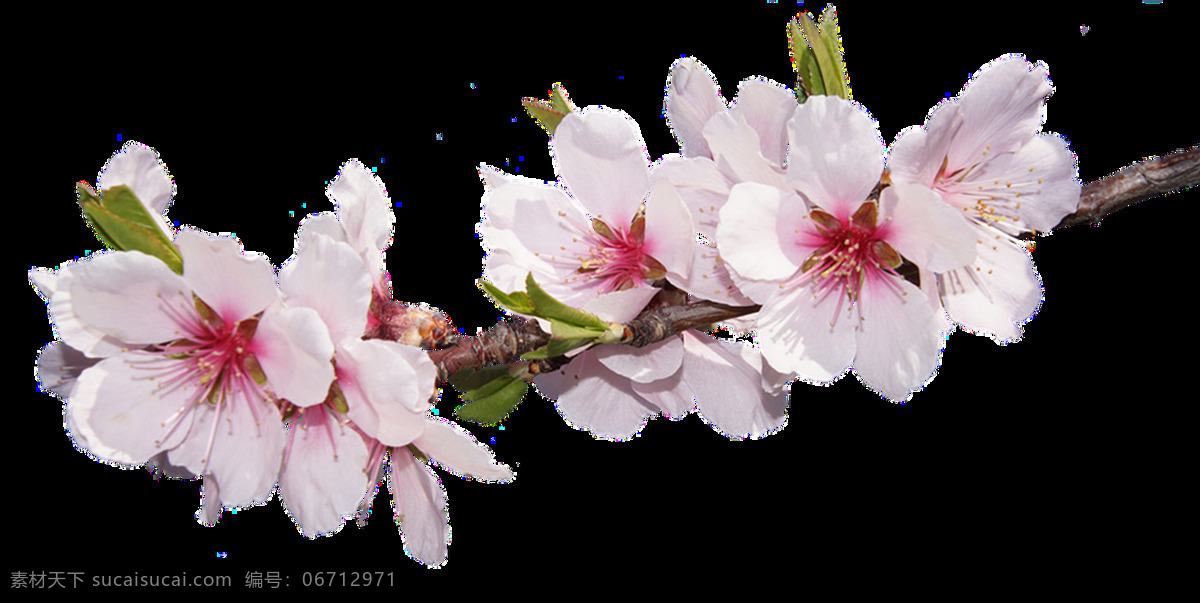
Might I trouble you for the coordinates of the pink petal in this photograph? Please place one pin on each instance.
(1002, 106)
(835, 155)
(692, 98)
(598, 400)
(293, 347)
(650, 363)
(807, 335)
(387, 398)
(421, 509)
(1047, 166)
(329, 277)
(235, 284)
(924, 229)
(364, 210)
(210, 510)
(669, 232)
(123, 417)
(58, 366)
(128, 296)
(246, 449)
(701, 187)
(323, 480)
(737, 151)
(672, 394)
(619, 306)
(710, 278)
(900, 340)
(725, 377)
(600, 155)
(767, 106)
(997, 294)
(455, 450)
(747, 234)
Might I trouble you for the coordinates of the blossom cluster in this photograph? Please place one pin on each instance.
(252, 379)
(859, 257)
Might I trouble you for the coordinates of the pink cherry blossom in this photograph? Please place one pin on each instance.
(606, 237)
(217, 350)
(825, 275)
(982, 154)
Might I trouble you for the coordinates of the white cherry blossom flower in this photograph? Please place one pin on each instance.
(982, 154)
(832, 299)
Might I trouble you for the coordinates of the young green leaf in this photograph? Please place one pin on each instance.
(517, 301)
(121, 222)
(550, 308)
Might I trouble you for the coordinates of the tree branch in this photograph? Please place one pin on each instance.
(511, 337)
(1138, 182)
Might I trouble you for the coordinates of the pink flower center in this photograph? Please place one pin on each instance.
(849, 253)
(211, 360)
(616, 257)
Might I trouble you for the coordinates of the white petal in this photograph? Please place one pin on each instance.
(747, 235)
(329, 277)
(737, 151)
(323, 480)
(384, 388)
(1055, 175)
(923, 228)
(454, 449)
(129, 296)
(364, 210)
(421, 509)
(58, 366)
(236, 284)
(598, 400)
(997, 294)
(650, 363)
(1002, 106)
(807, 335)
(767, 106)
(210, 510)
(725, 378)
(669, 232)
(246, 449)
(710, 278)
(692, 98)
(701, 187)
(323, 224)
(138, 167)
(835, 153)
(900, 340)
(600, 156)
(295, 352)
(619, 306)
(122, 415)
(673, 395)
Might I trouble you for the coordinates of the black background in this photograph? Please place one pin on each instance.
(1058, 455)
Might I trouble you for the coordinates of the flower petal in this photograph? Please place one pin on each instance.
(924, 229)
(745, 234)
(421, 509)
(236, 284)
(737, 151)
(364, 210)
(600, 155)
(766, 106)
(295, 352)
(803, 334)
(835, 153)
(650, 363)
(246, 449)
(598, 400)
(58, 366)
(725, 377)
(128, 296)
(669, 232)
(693, 96)
(900, 340)
(388, 400)
(455, 450)
(330, 277)
(323, 480)
(997, 294)
(138, 167)
(710, 279)
(1002, 106)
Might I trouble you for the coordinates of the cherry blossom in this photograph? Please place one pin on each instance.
(823, 263)
(981, 153)
(601, 237)
(217, 349)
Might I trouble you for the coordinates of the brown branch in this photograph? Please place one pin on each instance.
(1138, 182)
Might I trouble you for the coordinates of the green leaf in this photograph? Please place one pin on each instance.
(833, 43)
(559, 100)
(517, 301)
(562, 330)
(549, 113)
(557, 347)
(550, 308)
(491, 395)
(812, 36)
(121, 222)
